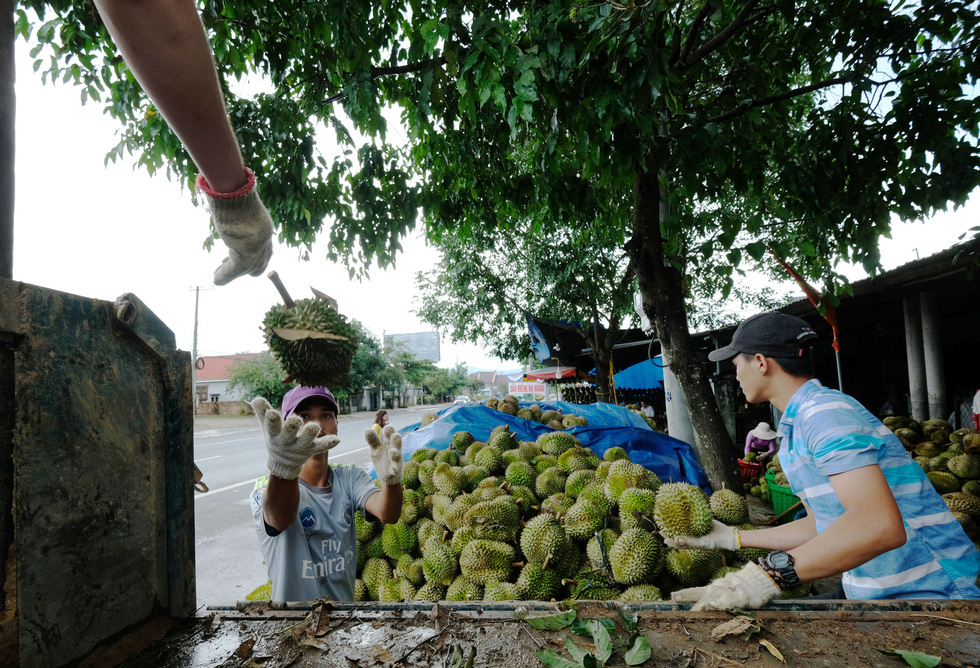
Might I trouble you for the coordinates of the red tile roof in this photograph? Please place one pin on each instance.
(220, 367)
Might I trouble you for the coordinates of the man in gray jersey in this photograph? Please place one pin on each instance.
(304, 509)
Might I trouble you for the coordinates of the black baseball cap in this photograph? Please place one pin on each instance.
(772, 334)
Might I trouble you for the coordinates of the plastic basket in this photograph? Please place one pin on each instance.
(781, 496)
(749, 470)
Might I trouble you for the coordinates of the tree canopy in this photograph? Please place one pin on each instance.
(698, 134)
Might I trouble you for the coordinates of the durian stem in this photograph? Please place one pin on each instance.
(518, 564)
(276, 281)
(547, 560)
(566, 581)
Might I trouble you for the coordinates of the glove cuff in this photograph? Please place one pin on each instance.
(203, 186)
(281, 469)
(759, 581)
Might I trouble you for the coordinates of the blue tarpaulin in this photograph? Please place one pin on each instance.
(609, 426)
(646, 375)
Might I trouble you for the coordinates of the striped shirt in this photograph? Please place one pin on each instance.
(825, 432)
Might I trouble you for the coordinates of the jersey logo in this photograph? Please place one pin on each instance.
(348, 514)
(307, 518)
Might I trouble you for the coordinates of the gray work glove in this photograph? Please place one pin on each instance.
(721, 537)
(245, 226)
(290, 443)
(386, 454)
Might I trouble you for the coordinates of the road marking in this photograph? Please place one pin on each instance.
(350, 452)
(207, 458)
(235, 440)
(250, 481)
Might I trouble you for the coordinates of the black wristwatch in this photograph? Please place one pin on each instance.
(779, 566)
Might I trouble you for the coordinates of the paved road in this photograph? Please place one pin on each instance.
(231, 454)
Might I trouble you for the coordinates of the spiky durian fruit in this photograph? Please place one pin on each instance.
(636, 557)
(544, 462)
(448, 479)
(448, 456)
(491, 459)
(557, 504)
(583, 519)
(464, 589)
(543, 539)
(644, 592)
(360, 590)
(729, 507)
(398, 539)
(427, 469)
(498, 519)
(597, 549)
(364, 529)
(945, 483)
(574, 459)
(311, 341)
(971, 487)
(525, 414)
(966, 465)
(431, 591)
(555, 443)
(550, 482)
(960, 502)
(521, 473)
(526, 500)
(423, 454)
(438, 562)
(624, 474)
(509, 407)
(376, 572)
(614, 453)
(461, 538)
(636, 509)
(462, 440)
(486, 561)
(579, 480)
(592, 586)
(502, 591)
(693, 568)
(454, 516)
(538, 583)
(410, 567)
(429, 418)
(681, 509)
(473, 475)
(426, 528)
(410, 475)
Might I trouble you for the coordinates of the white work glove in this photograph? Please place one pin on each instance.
(386, 454)
(748, 588)
(245, 226)
(721, 537)
(290, 443)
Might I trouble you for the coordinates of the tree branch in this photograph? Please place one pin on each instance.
(699, 20)
(737, 24)
(378, 72)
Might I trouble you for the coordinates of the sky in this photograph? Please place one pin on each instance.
(101, 231)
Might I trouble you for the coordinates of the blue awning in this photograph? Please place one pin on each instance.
(646, 375)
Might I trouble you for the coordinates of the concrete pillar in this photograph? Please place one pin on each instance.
(678, 417)
(916, 361)
(932, 351)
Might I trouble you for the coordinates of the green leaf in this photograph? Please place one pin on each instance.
(914, 659)
(628, 617)
(600, 635)
(581, 626)
(577, 652)
(639, 652)
(551, 659)
(552, 622)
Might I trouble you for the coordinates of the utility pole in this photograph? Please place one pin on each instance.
(197, 301)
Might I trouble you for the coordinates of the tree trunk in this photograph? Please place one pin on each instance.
(660, 286)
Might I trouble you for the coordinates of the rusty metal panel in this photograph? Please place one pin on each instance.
(102, 449)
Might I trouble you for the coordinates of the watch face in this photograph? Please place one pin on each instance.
(779, 559)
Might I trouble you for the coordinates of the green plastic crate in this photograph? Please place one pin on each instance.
(781, 496)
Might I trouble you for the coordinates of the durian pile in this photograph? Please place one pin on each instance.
(951, 460)
(313, 343)
(649, 420)
(509, 405)
(544, 520)
(758, 486)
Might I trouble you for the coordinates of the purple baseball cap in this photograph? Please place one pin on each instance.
(296, 395)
